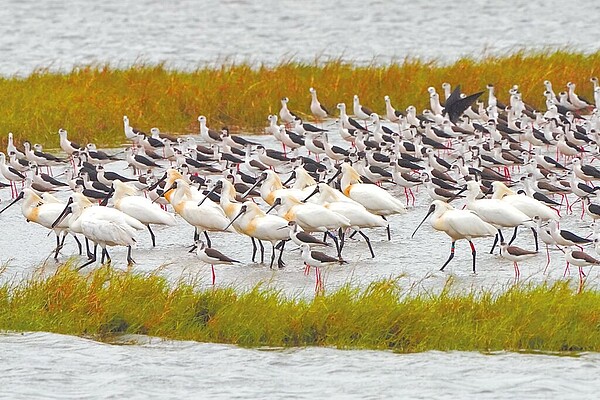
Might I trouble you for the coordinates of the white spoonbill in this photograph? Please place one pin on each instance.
(356, 213)
(458, 224)
(141, 208)
(271, 187)
(528, 205)
(44, 213)
(255, 223)
(374, 198)
(102, 225)
(231, 207)
(203, 218)
(494, 211)
(311, 217)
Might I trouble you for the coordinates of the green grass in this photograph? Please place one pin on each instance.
(90, 101)
(107, 302)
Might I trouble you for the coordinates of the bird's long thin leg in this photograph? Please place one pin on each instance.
(498, 236)
(280, 262)
(272, 256)
(566, 270)
(335, 240)
(130, 260)
(87, 249)
(79, 246)
(474, 253)
(387, 228)
(368, 243)
(208, 242)
(514, 236)
(341, 236)
(212, 270)
(535, 238)
(196, 235)
(152, 236)
(254, 249)
(262, 252)
(450, 257)
(57, 248)
(91, 256)
(494, 245)
(547, 258)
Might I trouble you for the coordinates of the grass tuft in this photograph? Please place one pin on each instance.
(90, 101)
(106, 303)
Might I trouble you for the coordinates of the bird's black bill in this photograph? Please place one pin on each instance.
(242, 211)
(312, 194)
(431, 210)
(211, 191)
(108, 196)
(19, 197)
(67, 210)
(461, 191)
(339, 171)
(276, 203)
(258, 182)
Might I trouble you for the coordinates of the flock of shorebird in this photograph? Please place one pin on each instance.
(512, 165)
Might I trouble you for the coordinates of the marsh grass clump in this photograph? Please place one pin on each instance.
(108, 302)
(90, 101)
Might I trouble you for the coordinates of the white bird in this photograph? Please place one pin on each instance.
(11, 148)
(299, 237)
(271, 187)
(566, 238)
(311, 217)
(68, 146)
(515, 254)
(209, 135)
(580, 259)
(390, 112)
(528, 205)
(257, 224)
(316, 107)
(458, 224)
(204, 218)
(11, 174)
(496, 212)
(356, 213)
(102, 225)
(284, 113)
(44, 212)
(374, 198)
(360, 111)
(141, 208)
(318, 260)
(212, 257)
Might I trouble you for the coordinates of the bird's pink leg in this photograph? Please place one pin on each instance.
(547, 258)
(212, 268)
(567, 270)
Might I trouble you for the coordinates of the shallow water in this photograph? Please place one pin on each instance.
(43, 365)
(414, 261)
(189, 33)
